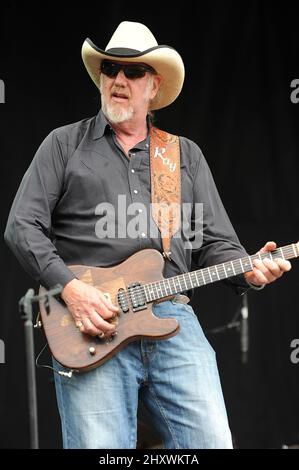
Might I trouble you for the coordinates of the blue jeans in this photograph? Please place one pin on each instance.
(180, 386)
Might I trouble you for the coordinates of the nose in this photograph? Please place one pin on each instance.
(120, 77)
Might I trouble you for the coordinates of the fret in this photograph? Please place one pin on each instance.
(169, 285)
(247, 263)
(153, 291)
(228, 269)
(212, 272)
(202, 276)
(282, 254)
(221, 269)
(289, 251)
(251, 263)
(179, 283)
(185, 281)
(197, 281)
(217, 272)
(242, 269)
(224, 269)
(166, 286)
(206, 270)
(191, 283)
(194, 280)
(173, 284)
(151, 294)
(294, 250)
(233, 268)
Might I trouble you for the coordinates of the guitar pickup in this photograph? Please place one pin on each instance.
(122, 300)
(137, 296)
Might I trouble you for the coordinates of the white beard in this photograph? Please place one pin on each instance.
(116, 113)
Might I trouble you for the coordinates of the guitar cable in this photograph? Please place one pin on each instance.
(45, 366)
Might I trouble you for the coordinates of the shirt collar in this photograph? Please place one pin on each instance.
(101, 125)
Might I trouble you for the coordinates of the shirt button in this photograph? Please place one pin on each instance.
(142, 234)
(146, 146)
(135, 191)
(139, 210)
(132, 170)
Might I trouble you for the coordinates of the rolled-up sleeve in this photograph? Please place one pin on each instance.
(28, 230)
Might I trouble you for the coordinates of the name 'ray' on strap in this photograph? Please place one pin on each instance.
(165, 185)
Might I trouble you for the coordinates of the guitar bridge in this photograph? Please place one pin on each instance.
(137, 296)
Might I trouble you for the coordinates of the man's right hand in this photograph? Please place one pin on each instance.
(89, 308)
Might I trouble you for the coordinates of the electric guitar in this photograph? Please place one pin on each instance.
(133, 285)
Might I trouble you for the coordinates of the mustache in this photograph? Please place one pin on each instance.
(119, 92)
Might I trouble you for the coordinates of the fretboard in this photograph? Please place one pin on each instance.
(201, 277)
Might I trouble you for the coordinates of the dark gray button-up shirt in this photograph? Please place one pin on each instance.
(58, 217)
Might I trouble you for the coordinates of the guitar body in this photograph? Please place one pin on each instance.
(81, 352)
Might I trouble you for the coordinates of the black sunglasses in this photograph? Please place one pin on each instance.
(131, 71)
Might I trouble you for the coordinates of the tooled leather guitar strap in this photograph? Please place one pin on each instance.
(165, 185)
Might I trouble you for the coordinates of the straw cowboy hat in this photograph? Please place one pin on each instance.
(134, 42)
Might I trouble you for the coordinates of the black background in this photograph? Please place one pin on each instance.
(240, 59)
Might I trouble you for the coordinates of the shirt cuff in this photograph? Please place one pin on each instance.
(253, 286)
(56, 273)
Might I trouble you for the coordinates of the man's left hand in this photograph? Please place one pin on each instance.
(267, 271)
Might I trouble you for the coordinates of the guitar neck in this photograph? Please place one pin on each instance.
(183, 282)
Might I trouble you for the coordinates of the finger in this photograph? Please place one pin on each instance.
(101, 324)
(269, 246)
(273, 267)
(100, 307)
(284, 264)
(93, 330)
(89, 328)
(262, 272)
(103, 311)
(108, 304)
(259, 277)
